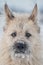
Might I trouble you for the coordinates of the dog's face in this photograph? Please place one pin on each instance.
(21, 35)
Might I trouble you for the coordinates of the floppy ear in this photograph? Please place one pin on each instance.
(34, 13)
(9, 15)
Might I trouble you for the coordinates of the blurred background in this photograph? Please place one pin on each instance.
(22, 6)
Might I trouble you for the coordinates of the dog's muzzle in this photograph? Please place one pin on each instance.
(20, 47)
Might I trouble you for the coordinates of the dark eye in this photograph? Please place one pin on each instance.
(27, 34)
(14, 34)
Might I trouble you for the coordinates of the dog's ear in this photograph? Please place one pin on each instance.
(33, 17)
(34, 13)
(9, 15)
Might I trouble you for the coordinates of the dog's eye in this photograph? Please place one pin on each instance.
(27, 34)
(14, 34)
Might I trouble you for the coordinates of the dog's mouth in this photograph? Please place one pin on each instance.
(21, 54)
(17, 54)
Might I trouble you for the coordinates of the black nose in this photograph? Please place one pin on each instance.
(20, 47)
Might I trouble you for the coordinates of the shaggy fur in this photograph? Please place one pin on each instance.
(20, 23)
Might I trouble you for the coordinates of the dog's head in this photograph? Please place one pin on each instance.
(21, 34)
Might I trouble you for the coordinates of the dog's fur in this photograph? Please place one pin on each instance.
(21, 23)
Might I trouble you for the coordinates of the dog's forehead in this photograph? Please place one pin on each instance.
(22, 21)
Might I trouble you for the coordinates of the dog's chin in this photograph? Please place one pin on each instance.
(21, 59)
(20, 55)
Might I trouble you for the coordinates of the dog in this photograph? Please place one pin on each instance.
(21, 43)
